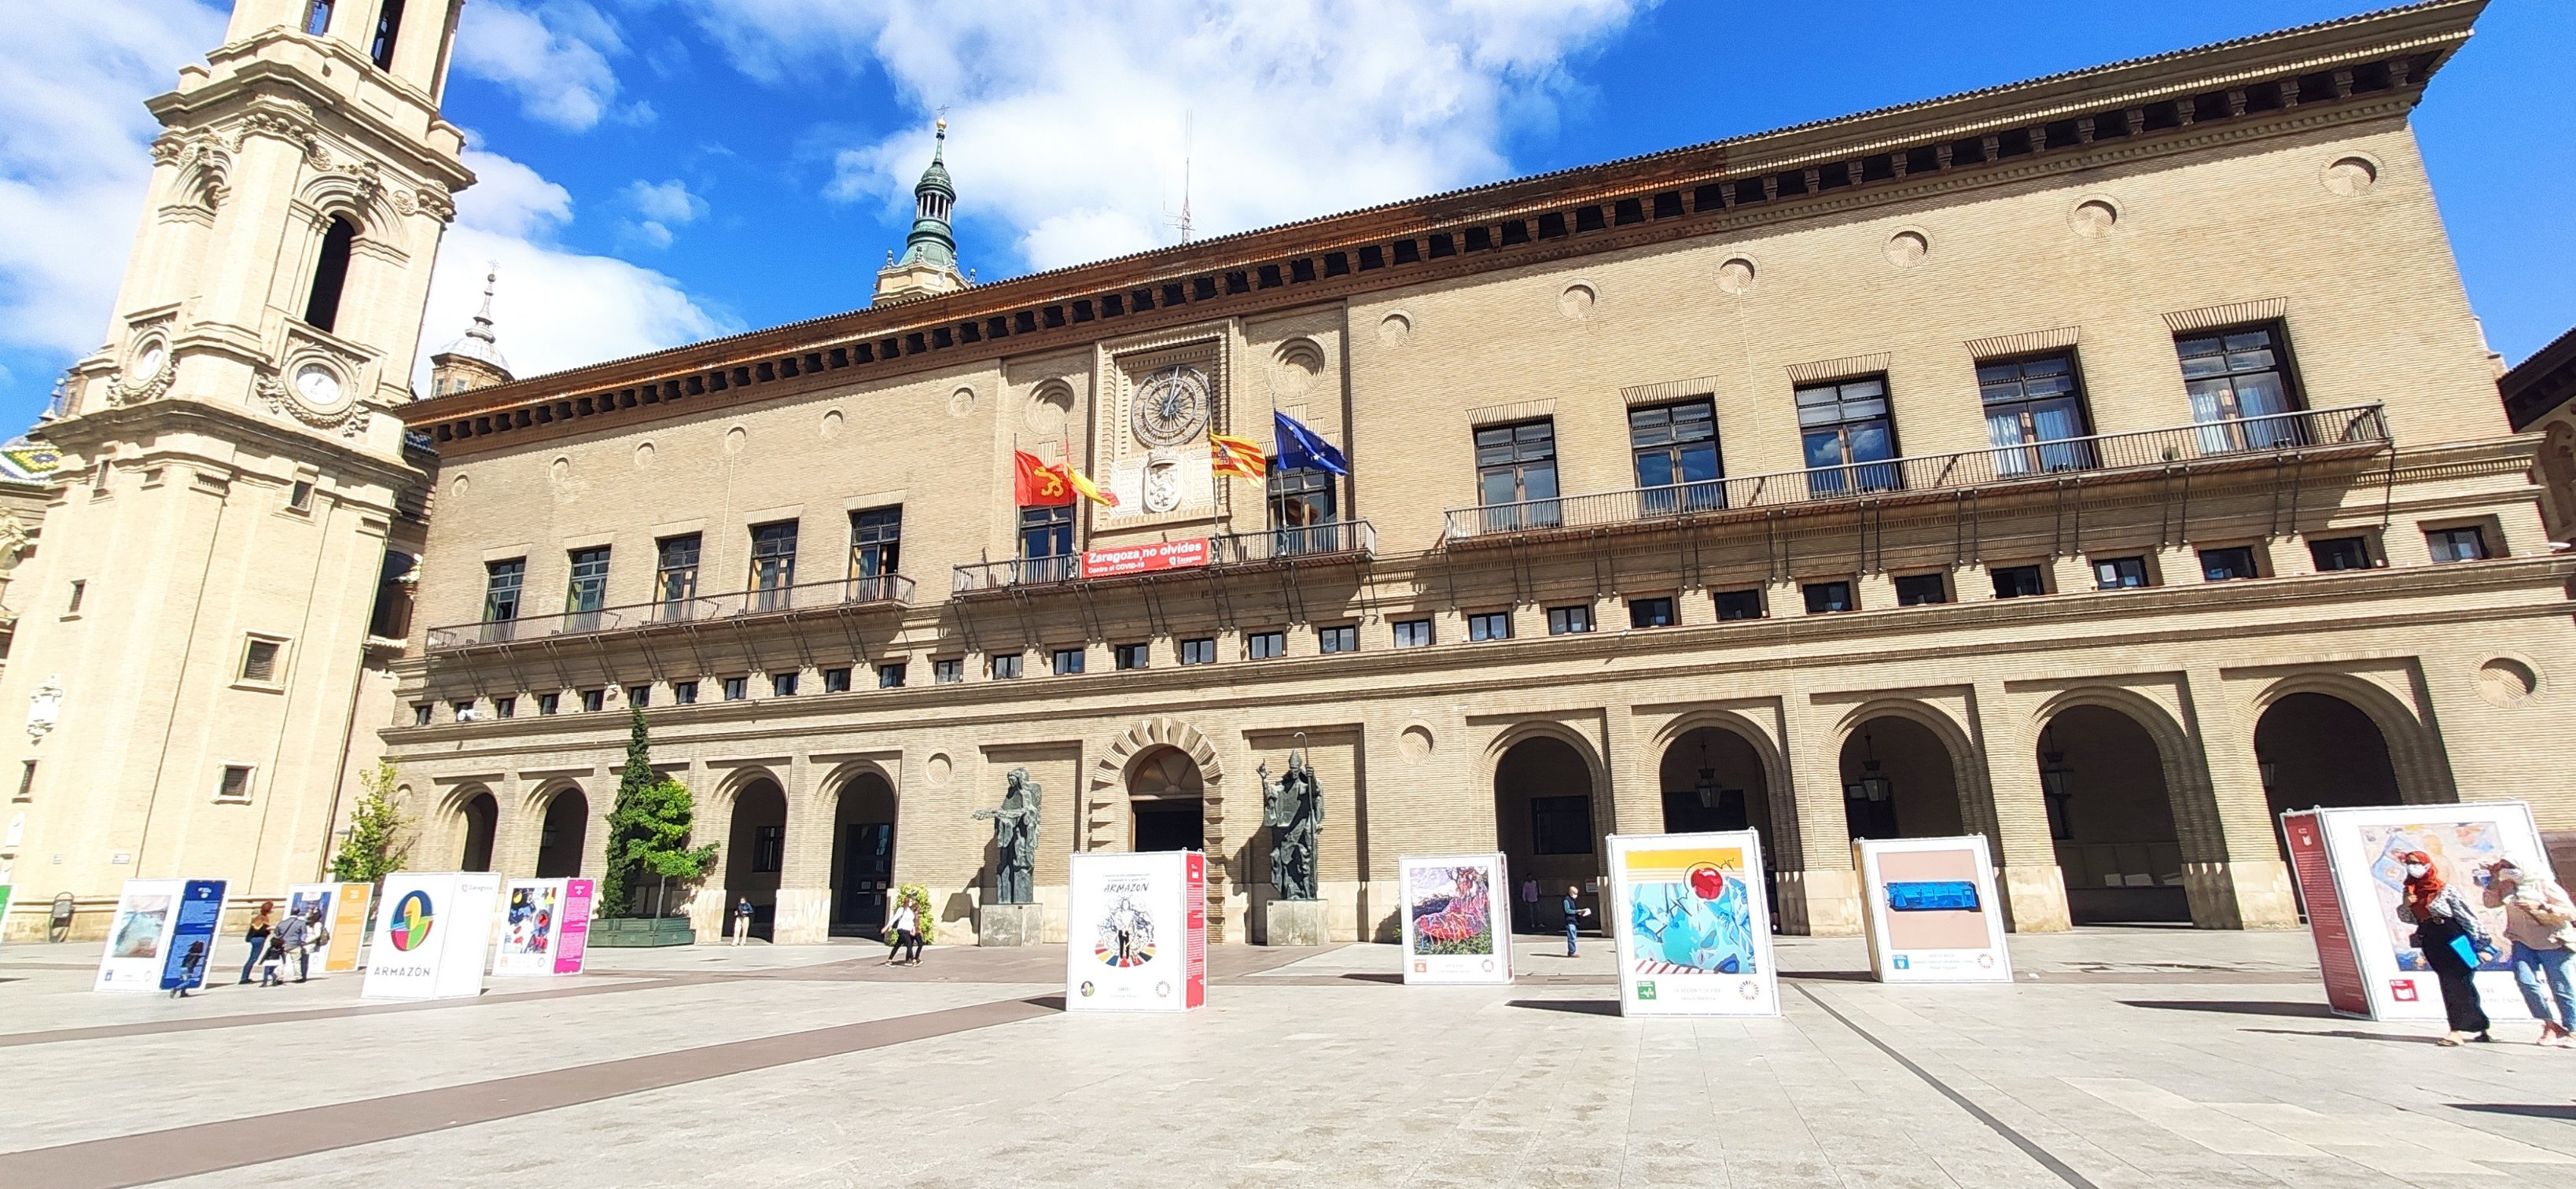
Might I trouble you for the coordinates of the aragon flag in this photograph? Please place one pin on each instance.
(1036, 485)
(1236, 456)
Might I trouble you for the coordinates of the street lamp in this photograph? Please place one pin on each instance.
(2052, 785)
(1871, 786)
(1712, 795)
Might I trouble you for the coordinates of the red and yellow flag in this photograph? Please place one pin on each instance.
(1236, 456)
(1036, 485)
(1090, 490)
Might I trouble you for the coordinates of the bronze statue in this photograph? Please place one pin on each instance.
(1293, 808)
(1015, 840)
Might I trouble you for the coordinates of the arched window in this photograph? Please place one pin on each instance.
(317, 17)
(388, 29)
(330, 273)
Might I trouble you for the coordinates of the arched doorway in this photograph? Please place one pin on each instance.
(1899, 781)
(756, 853)
(1544, 825)
(2111, 817)
(2319, 750)
(862, 855)
(482, 816)
(1168, 800)
(567, 828)
(1713, 779)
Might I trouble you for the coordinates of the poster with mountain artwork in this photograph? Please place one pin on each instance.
(1693, 925)
(1455, 930)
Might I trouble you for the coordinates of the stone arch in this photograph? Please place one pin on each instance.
(750, 859)
(1116, 762)
(1519, 821)
(863, 812)
(2125, 851)
(472, 816)
(1967, 758)
(2423, 773)
(359, 199)
(1777, 822)
(561, 809)
(2186, 770)
(1775, 764)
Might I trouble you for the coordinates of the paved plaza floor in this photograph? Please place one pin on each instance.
(2124, 1056)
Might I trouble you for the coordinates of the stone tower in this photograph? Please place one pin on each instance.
(200, 655)
(474, 361)
(928, 267)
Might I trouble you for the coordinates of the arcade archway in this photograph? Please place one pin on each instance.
(862, 855)
(1167, 800)
(1899, 781)
(755, 853)
(566, 829)
(1545, 826)
(482, 820)
(2318, 750)
(2111, 817)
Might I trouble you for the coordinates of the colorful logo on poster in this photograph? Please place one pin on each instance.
(1125, 936)
(1707, 882)
(412, 919)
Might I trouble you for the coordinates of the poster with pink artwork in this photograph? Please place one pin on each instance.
(1455, 931)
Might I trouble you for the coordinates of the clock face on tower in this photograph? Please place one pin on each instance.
(319, 388)
(1171, 406)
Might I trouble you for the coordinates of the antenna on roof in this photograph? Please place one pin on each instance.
(1181, 222)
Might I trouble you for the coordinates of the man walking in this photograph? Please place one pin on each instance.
(742, 921)
(1574, 914)
(292, 938)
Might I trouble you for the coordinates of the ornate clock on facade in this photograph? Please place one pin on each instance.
(1171, 406)
(319, 389)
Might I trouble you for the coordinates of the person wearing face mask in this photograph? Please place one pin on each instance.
(2541, 922)
(2443, 920)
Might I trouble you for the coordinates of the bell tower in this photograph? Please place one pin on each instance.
(201, 650)
(929, 264)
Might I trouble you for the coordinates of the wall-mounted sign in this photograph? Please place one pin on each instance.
(1148, 558)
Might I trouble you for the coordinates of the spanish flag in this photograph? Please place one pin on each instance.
(1090, 490)
(1236, 456)
(1037, 485)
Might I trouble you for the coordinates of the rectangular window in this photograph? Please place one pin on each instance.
(684, 693)
(1568, 620)
(1130, 656)
(1916, 590)
(505, 707)
(1302, 511)
(501, 581)
(2227, 565)
(388, 33)
(1561, 825)
(949, 671)
(773, 565)
(737, 688)
(80, 590)
(1344, 638)
(2340, 553)
(2457, 544)
(549, 703)
(890, 675)
(420, 712)
(1516, 474)
(259, 660)
(235, 785)
(1198, 652)
(1046, 544)
(1651, 613)
(594, 700)
(27, 779)
(836, 681)
(876, 548)
(639, 696)
(1413, 633)
(782, 685)
(1007, 666)
(1675, 451)
(769, 848)
(2241, 391)
(1262, 646)
(1490, 625)
(2014, 582)
(1738, 604)
(2030, 403)
(588, 591)
(1824, 598)
(1067, 662)
(299, 495)
(1843, 426)
(2119, 573)
(463, 711)
(675, 577)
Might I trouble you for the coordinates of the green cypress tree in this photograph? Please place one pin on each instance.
(656, 828)
(618, 887)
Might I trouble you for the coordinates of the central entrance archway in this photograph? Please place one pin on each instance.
(1168, 800)
(567, 827)
(862, 856)
(1543, 823)
(2111, 818)
(755, 853)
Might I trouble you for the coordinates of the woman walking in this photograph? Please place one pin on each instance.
(903, 931)
(2453, 941)
(260, 924)
(2540, 920)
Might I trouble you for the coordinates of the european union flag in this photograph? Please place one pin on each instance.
(1301, 448)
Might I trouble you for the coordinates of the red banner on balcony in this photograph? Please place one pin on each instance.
(1145, 559)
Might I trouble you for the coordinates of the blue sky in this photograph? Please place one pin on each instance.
(661, 170)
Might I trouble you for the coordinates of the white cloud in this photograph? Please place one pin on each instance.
(73, 155)
(553, 55)
(661, 205)
(1066, 116)
(555, 308)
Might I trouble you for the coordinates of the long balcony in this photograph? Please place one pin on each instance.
(1343, 541)
(881, 590)
(2349, 431)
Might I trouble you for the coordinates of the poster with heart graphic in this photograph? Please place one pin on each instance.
(1693, 924)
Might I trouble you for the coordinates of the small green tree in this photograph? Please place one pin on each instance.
(919, 898)
(618, 887)
(377, 841)
(655, 825)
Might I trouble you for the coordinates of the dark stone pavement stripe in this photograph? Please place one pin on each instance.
(246, 1019)
(235, 1143)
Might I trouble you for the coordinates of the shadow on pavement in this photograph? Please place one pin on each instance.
(1839, 976)
(1048, 1001)
(2533, 1109)
(2241, 1007)
(1590, 1007)
(2347, 1034)
(1374, 977)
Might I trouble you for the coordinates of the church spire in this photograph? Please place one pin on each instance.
(928, 266)
(474, 361)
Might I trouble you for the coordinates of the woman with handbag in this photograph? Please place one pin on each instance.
(2541, 922)
(2453, 941)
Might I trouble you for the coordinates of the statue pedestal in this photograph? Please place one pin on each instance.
(1293, 922)
(1011, 924)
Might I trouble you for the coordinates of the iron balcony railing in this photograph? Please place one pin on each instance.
(2247, 438)
(1346, 538)
(812, 596)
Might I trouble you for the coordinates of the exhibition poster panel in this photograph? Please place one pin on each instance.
(1932, 910)
(138, 937)
(2364, 847)
(1194, 902)
(572, 930)
(1451, 919)
(468, 943)
(2328, 925)
(319, 905)
(535, 907)
(4, 911)
(192, 935)
(1694, 930)
(1134, 944)
(429, 940)
(348, 926)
